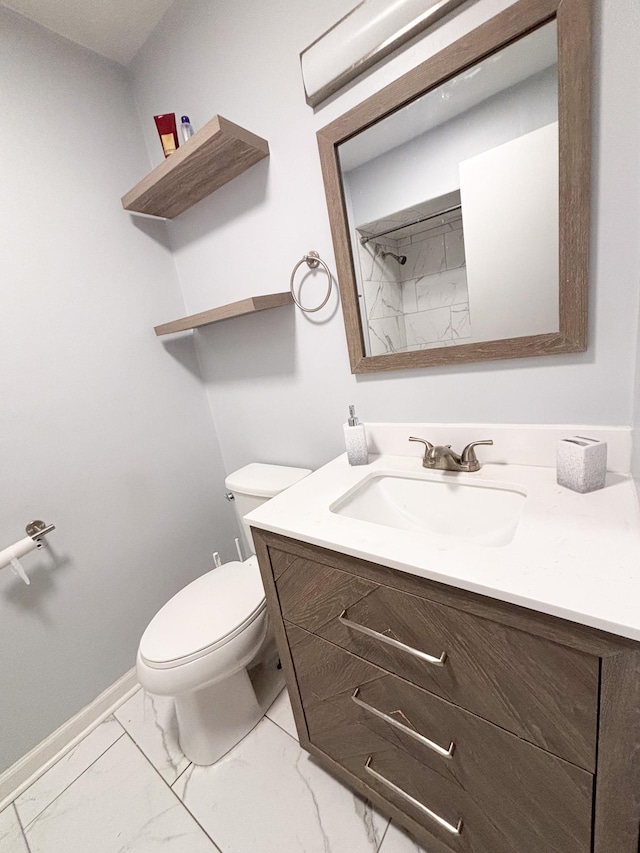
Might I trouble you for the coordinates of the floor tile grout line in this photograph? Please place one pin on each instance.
(365, 800)
(384, 835)
(149, 762)
(282, 729)
(170, 788)
(262, 719)
(20, 826)
(73, 781)
(158, 725)
(286, 731)
(180, 774)
(231, 748)
(191, 764)
(131, 738)
(386, 829)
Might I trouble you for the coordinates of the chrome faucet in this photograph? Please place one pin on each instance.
(443, 458)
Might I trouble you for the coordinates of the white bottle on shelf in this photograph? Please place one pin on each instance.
(186, 131)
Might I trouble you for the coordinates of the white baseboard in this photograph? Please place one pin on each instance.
(26, 770)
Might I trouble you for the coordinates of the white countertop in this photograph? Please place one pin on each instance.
(573, 555)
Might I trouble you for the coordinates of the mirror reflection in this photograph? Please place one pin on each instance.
(452, 206)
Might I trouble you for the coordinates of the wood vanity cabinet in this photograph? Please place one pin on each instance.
(479, 726)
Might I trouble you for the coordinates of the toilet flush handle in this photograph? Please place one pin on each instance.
(230, 496)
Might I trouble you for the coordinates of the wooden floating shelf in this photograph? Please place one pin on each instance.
(217, 153)
(225, 312)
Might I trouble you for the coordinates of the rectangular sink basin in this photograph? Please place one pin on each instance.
(446, 507)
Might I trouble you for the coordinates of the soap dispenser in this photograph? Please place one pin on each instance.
(355, 440)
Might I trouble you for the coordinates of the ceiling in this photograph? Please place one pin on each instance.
(116, 29)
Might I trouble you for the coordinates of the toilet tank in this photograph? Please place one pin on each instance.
(255, 484)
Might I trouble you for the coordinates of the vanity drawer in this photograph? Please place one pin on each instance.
(503, 809)
(454, 742)
(540, 690)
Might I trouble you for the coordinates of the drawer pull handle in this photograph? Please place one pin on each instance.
(391, 642)
(444, 753)
(454, 830)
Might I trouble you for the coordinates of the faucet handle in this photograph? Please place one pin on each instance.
(468, 456)
(428, 448)
(427, 444)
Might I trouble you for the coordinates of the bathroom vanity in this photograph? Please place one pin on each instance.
(486, 695)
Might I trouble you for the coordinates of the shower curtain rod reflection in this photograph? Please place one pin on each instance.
(365, 240)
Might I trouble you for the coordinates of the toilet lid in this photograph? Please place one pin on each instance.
(206, 613)
(264, 481)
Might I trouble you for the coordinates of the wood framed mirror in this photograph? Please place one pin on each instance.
(459, 198)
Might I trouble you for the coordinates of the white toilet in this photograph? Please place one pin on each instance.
(210, 646)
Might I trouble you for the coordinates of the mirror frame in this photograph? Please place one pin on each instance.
(573, 18)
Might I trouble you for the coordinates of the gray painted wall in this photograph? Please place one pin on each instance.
(101, 431)
(380, 187)
(105, 429)
(279, 383)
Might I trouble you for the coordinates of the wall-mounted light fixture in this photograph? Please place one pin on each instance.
(368, 33)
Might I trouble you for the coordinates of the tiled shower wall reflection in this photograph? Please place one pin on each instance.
(422, 303)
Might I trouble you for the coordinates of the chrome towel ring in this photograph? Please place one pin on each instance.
(313, 261)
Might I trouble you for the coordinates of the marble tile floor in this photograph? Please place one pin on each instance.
(127, 787)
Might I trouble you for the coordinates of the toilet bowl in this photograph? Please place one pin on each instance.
(210, 646)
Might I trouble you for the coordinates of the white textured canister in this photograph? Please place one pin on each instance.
(581, 463)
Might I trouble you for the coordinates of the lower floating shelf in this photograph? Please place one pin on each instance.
(225, 312)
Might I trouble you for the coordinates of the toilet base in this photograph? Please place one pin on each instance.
(214, 719)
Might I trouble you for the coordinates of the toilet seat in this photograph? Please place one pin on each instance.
(188, 627)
